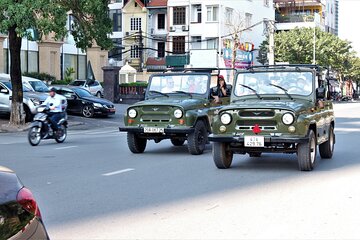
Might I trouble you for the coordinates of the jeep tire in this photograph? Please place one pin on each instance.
(326, 149)
(197, 139)
(222, 155)
(177, 141)
(307, 153)
(136, 144)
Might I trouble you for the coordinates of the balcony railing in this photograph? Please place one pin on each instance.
(290, 18)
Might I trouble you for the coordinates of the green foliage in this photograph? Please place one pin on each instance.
(69, 75)
(42, 76)
(134, 84)
(60, 82)
(296, 46)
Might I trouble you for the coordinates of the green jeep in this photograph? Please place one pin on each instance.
(275, 109)
(177, 106)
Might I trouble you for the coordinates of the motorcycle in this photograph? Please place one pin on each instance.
(40, 127)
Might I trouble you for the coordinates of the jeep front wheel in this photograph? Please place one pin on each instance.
(307, 153)
(136, 144)
(197, 139)
(177, 141)
(326, 149)
(222, 155)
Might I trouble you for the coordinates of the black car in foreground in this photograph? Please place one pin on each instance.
(81, 101)
(20, 216)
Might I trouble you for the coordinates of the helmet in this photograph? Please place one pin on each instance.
(52, 89)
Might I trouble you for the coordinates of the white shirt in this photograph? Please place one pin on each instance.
(54, 102)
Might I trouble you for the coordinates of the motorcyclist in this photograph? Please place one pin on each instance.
(55, 103)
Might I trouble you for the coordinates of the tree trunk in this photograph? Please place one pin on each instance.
(17, 116)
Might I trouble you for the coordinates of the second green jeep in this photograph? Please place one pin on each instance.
(276, 109)
(177, 106)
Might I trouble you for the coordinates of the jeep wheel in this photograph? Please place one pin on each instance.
(307, 153)
(136, 144)
(255, 154)
(197, 139)
(177, 141)
(326, 149)
(222, 155)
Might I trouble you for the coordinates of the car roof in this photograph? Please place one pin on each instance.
(5, 76)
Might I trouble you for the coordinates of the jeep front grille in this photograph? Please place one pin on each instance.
(255, 113)
(156, 109)
(249, 124)
(155, 118)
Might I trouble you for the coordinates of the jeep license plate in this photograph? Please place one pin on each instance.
(254, 141)
(153, 130)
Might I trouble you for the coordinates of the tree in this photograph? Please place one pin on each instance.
(91, 23)
(296, 46)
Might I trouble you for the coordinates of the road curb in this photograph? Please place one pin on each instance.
(9, 128)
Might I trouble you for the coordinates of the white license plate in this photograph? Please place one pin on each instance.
(254, 141)
(153, 130)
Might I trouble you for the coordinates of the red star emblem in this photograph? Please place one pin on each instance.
(256, 129)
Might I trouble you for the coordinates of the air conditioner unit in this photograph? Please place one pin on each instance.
(127, 33)
(172, 29)
(185, 28)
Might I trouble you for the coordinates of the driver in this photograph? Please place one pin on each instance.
(55, 103)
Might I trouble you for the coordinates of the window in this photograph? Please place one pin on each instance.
(161, 50)
(33, 61)
(115, 16)
(212, 43)
(134, 52)
(116, 52)
(248, 17)
(179, 45)
(228, 15)
(161, 21)
(135, 24)
(196, 42)
(266, 3)
(212, 13)
(179, 16)
(196, 13)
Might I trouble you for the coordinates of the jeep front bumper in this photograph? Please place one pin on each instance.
(167, 131)
(268, 140)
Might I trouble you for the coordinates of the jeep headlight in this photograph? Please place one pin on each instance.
(35, 101)
(225, 118)
(132, 113)
(288, 118)
(178, 113)
(98, 105)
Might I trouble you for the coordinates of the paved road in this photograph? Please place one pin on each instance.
(92, 187)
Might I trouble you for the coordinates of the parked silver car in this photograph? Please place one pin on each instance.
(93, 86)
(30, 99)
(33, 84)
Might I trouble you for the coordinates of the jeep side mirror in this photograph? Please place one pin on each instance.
(320, 92)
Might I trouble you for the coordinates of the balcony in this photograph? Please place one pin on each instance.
(293, 18)
(297, 3)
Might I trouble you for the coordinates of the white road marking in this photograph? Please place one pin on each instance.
(118, 172)
(60, 148)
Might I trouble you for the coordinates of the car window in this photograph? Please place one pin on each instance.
(39, 86)
(77, 83)
(25, 89)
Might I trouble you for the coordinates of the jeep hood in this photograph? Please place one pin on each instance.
(185, 103)
(291, 105)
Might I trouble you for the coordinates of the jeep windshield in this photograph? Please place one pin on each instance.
(287, 83)
(181, 84)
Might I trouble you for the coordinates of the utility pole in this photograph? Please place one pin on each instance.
(271, 28)
(141, 52)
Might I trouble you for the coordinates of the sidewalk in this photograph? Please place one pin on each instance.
(6, 127)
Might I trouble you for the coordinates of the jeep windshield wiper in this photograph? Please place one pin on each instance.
(246, 86)
(184, 93)
(164, 94)
(284, 89)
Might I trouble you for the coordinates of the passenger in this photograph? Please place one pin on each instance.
(169, 85)
(221, 90)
